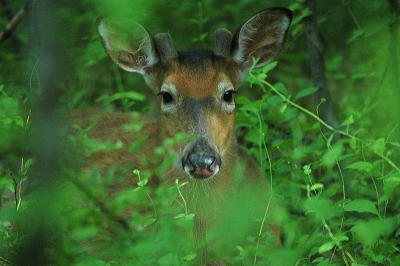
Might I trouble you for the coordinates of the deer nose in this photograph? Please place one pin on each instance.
(200, 165)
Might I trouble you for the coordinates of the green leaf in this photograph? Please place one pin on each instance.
(304, 13)
(326, 247)
(317, 186)
(360, 166)
(150, 221)
(389, 187)
(332, 155)
(242, 100)
(349, 120)
(242, 252)
(329, 245)
(190, 257)
(369, 232)
(356, 35)
(8, 107)
(254, 136)
(169, 259)
(379, 146)
(6, 183)
(143, 182)
(307, 169)
(179, 216)
(269, 67)
(321, 208)
(305, 92)
(361, 205)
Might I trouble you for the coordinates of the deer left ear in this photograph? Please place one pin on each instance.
(261, 37)
(128, 44)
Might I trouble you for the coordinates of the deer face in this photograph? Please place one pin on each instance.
(196, 89)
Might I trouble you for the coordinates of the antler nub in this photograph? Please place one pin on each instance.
(223, 39)
(164, 45)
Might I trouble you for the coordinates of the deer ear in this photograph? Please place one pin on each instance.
(262, 37)
(127, 43)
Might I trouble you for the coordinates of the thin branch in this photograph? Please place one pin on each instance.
(12, 25)
(103, 208)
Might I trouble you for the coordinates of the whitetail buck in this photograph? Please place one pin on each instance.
(196, 95)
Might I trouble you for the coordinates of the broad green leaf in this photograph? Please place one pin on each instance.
(243, 120)
(332, 155)
(329, 245)
(326, 247)
(379, 146)
(321, 208)
(305, 92)
(389, 187)
(369, 232)
(361, 205)
(269, 67)
(6, 183)
(360, 166)
(349, 120)
(8, 107)
(242, 100)
(254, 136)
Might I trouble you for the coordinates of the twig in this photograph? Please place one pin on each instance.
(103, 208)
(270, 197)
(12, 25)
(4, 261)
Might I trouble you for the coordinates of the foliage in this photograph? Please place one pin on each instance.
(338, 187)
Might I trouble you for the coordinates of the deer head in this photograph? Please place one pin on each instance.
(197, 89)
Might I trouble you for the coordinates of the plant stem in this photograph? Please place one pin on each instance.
(331, 128)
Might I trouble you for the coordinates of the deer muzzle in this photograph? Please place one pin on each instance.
(200, 160)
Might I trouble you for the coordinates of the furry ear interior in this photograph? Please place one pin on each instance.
(261, 37)
(128, 44)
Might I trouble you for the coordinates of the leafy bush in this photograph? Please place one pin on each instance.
(337, 187)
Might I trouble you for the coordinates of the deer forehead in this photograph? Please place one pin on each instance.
(198, 84)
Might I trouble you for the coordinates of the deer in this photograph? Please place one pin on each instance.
(195, 95)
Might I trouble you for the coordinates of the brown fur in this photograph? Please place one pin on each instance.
(194, 83)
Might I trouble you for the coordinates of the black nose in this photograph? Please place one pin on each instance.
(201, 160)
(200, 165)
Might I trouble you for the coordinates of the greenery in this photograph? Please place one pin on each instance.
(338, 187)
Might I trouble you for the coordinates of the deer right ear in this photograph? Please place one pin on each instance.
(128, 44)
(261, 37)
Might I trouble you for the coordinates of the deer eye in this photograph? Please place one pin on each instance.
(228, 96)
(166, 97)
